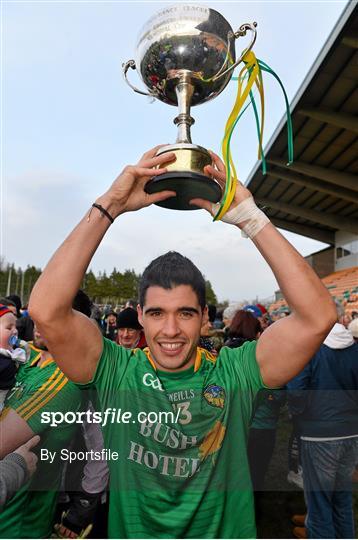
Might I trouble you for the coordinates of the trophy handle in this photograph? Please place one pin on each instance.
(131, 64)
(241, 32)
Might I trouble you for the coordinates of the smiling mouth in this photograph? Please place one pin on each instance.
(169, 347)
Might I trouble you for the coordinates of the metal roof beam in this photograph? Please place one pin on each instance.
(350, 41)
(330, 220)
(312, 75)
(317, 185)
(305, 230)
(339, 178)
(341, 120)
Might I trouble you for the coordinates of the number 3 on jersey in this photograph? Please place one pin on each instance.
(185, 414)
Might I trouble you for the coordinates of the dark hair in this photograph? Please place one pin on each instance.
(169, 271)
(212, 312)
(244, 325)
(17, 301)
(82, 303)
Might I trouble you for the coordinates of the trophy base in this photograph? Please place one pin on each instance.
(187, 185)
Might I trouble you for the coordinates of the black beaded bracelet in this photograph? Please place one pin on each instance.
(103, 211)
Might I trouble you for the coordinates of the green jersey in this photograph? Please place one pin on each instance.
(30, 513)
(183, 474)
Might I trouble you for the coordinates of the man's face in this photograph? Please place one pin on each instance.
(172, 320)
(263, 321)
(227, 322)
(128, 337)
(7, 329)
(39, 341)
(206, 328)
(112, 319)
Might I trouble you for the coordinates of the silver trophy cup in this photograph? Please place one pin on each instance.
(185, 56)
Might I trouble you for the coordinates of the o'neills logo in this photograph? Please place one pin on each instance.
(150, 380)
(215, 395)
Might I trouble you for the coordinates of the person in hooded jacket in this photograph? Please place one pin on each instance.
(324, 396)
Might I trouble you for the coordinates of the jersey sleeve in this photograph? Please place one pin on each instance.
(110, 368)
(54, 394)
(246, 374)
(247, 368)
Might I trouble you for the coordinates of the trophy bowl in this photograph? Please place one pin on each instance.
(185, 56)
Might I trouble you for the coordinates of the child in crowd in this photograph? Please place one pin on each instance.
(12, 352)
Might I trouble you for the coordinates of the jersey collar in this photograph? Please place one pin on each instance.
(197, 362)
(38, 357)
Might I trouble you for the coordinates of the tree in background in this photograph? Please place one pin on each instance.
(114, 289)
(210, 295)
(16, 280)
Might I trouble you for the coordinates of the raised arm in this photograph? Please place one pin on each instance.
(286, 346)
(74, 340)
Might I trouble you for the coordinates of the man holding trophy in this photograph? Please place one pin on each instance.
(188, 476)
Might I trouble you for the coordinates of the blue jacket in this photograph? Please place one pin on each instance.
(324, 396)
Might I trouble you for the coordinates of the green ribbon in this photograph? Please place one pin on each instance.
(267, 68)
(264, 67)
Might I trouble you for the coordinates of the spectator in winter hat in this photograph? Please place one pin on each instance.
(130, 332)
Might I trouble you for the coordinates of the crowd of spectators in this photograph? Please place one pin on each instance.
(322, 403)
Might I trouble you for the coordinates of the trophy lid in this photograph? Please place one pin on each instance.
(187, 37)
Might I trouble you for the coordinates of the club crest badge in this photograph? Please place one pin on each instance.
(215, 395)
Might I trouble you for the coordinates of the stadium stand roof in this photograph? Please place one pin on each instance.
(318, 194)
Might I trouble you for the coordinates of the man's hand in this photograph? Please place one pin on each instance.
(29, 457)
(217, 170)
(127, 192)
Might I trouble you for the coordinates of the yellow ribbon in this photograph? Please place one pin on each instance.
(251, 67)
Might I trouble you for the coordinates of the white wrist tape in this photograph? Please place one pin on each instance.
(245, 211)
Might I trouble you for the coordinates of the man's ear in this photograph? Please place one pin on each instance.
(140, 314)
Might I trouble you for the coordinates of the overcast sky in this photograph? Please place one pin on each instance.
(70, 124)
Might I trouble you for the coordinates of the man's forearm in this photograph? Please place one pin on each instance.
(300, 285)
